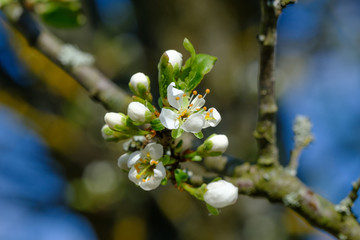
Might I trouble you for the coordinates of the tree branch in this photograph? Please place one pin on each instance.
(347, 203)
(277, 185)
(265, 132)
(99, 87)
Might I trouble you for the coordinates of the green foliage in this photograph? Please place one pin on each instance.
(175, 133)
(212, 210)
(157, 125)
(60, 13)
(180, 176)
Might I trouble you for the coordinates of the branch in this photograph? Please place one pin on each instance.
(265, 132)
(277, 185)
(76, 63)
(347, 203)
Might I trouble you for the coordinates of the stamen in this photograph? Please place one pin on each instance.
(136, 166)
(177, 98)
(190, 105)
(194, 92)
(200, 96)
(207, 91)
(205, 108)
(152, 162)
(184, 95)
(211, 110)
(157, 113)
(143, 180)
(148, 154)
(197, 109)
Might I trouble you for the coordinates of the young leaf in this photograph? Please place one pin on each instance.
(199, 135)
(212, 210)
(202, 65)
(166, 75)
(180, 176)
(175, 133)
(157, 125)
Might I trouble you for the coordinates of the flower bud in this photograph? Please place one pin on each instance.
(116, 121)
(139, 113)
(220, 194)
(214, 145)
(140, 85)
(111, 135)
(175, 58)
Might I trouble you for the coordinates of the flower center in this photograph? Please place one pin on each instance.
(145, 167)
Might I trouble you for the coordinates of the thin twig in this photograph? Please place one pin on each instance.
(265, 132)
(99, 87)
(347, 203)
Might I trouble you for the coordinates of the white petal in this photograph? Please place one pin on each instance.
(139, 78)
(156, 150)
(220, 143)
(221, 194)
(132, 176)
(123, 160)
(169, 119)
(133, 158)
(197, 103)
(215, 118)
(172, 94)
(194, 123)
(159, 171)
(150, 183)
(137, 111)
(174, 58)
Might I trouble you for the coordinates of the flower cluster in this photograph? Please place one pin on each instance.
(154, 150)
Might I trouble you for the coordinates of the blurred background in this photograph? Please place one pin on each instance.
(59, 179)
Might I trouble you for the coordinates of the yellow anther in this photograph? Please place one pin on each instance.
(136, 166)
(184, 95)
(138, 176)
(197, 109)
(195, 92)
(152, 162)
(143, 180)
(148, 155)
(211, 110)
(177, 98)
(205, 108)
(207, 91)
(200, 96)
(190, 105)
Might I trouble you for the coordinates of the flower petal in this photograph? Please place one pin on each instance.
(154, 181)
(169, 119)
(214, 118)
(133, 158)
(123, 160)
(197, 103)
(221, 194)
(172, 94)
(156, 150)
(132, 176)
(159, 171)
(194, 123)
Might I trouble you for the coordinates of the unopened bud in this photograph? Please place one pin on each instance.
(220, 194)
(111, 135)
(214, 145)
(139, 113)
(116, 121)
(140, 85)
(175, 58)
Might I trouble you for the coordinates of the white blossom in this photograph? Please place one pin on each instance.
(138, 112)
(219, 143)
(146, 170)
(175, 58)
(220, 194)
(187, 112)
(115, 120)
(139, 79)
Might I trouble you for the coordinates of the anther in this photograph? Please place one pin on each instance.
(211, 110)
(190, 105)
(152, 162)
(143, 180)
(177, 98)
(205, 108)
(194, 92)
(197, 109)
(207, 91)
(200, 96)
(184, 95)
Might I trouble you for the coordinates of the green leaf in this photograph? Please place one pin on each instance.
(201, 65)
(166, 75)
(61, 14)
(175, 133)
(164, 181)
(199, 135)
(212, 210)
(157, 125)
(180, 176)
(167, 160)
(189, 47)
